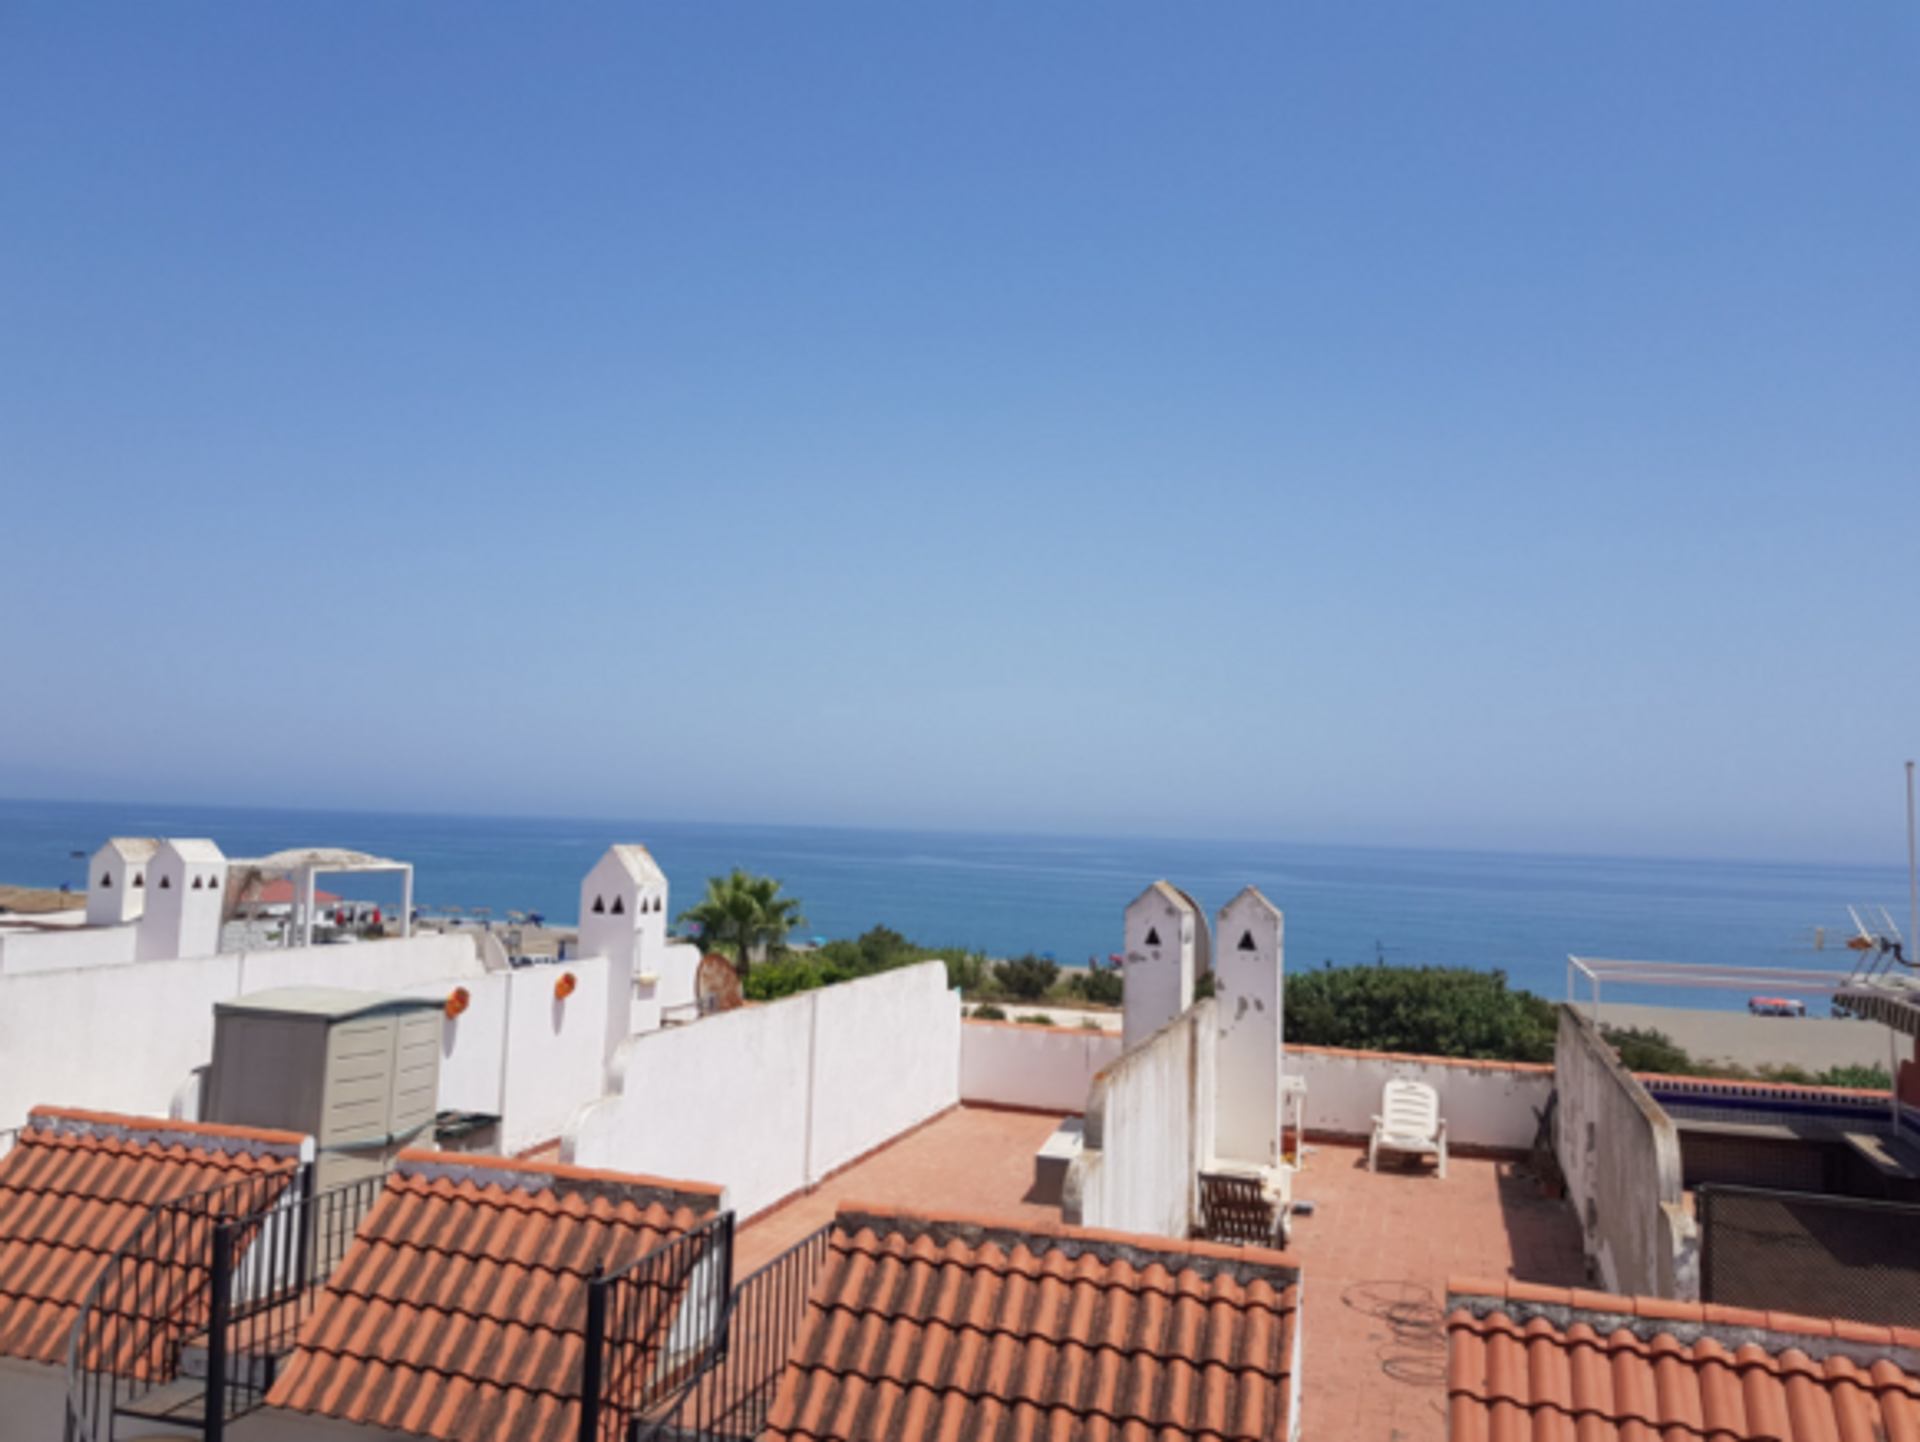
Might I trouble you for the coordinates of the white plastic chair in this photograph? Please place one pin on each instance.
(1409, 1121)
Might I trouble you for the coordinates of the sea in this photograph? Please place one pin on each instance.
(1062, 896)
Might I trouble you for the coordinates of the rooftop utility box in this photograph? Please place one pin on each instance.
(358, 1071)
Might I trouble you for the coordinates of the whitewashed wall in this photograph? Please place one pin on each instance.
(123, 1038)
(518, 1053)
(1486, 1104)
(1003, 1063)
(676, 994)
(886, 1057)
(766, 1100)
(1149, 1131)
(473, 1045)
(724, 1101)
(555, 1051)
(367, 965)
(23, 951)
(1621, 1156)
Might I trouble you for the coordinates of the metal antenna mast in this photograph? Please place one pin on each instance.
(1913, 889)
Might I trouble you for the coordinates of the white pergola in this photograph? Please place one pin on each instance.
(1789, 980)
(301, 866)
(1893, 1001)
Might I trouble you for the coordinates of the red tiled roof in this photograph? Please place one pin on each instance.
(1544, 1362)
(77, 1184)
(459, 1311)
(922, 1327)
(279, 892)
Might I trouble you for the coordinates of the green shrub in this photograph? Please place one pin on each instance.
(880, 949)
(1430, 1010)
(989, 1012)
(1204, 988)
(1648, 1050)
(1867, 1078)
(1035, 1018)
(772, 980)
(966, 970)
(1027, 977)
(1102, 987)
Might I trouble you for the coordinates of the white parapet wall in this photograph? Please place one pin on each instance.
(1621, 1156)
(123, 1038)
(556, 1062)
(1149, 1131)
(1040, 1068)
(522, 1052)
(766, 1101)
(1493, 1106)
(67, 948)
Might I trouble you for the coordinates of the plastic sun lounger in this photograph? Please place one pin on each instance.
(1409, 1121)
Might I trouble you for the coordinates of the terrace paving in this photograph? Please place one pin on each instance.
(971, 1161)
(1375, 1258)
(1375, 1255)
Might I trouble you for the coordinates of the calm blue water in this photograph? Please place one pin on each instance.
(1009, 894)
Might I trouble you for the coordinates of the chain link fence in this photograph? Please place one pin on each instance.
(1817, 1256)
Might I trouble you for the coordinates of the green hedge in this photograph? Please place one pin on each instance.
(1428, 1010)
(881, 949)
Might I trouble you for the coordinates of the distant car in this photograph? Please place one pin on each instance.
(1775, 1006)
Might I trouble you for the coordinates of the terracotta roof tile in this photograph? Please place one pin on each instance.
(947, 1328)
(75, 1187)
(459, 1311)
(1513, 1372)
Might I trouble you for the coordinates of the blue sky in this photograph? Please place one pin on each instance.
(1482, 425)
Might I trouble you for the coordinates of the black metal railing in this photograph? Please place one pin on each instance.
(1817, 1256)
(731, 1394)
(268, 1269)
(152, 1302)
(650, 1327)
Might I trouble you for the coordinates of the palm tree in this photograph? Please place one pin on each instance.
(741, 912)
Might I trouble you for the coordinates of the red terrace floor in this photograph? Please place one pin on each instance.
(1376, 1253)
(977, 1161)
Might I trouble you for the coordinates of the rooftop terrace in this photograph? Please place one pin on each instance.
(1376, 1253)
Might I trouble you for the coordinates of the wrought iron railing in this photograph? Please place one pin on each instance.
(729, 1397)
(152, 1302)
(268, 1269)
(651, 1326)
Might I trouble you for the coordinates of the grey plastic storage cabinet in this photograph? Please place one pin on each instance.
(358, 1071)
